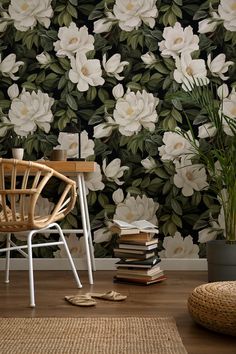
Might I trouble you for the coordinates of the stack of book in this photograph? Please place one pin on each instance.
(136, 249)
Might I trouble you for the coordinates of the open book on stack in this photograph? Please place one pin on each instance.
(137, 246)
(136, 227)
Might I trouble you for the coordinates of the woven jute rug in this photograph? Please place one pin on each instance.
(108, 335)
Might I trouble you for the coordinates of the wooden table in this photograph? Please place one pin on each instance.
(78, 169)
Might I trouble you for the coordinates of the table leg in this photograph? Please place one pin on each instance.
(88, 224)
(83, 202)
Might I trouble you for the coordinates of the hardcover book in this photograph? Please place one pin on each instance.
(132, 246)
(146, 263)
(135, 239)
(137, 271)
(127, 250)
(136, 256)
(140, 277)
(138, 282)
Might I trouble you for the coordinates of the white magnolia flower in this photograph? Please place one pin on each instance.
(73, 40)
(189, 177)
(179, 247)
(190, 72)
(9, 66)
(208, 24)
(209, 233)
(85, 72)
(69, 142)
(102, 235)
(228, 108)
(118, 196)
(118, 91)
(149, 58)
(104, 24)
(175, 146)
(139, 208)
(31, 110)
(42, 207)
(207, 130)
(131, 13)
(218, 66)
(26, 13)
(4, 24)
(5, 125)
(113, 171)
(178, 40)
(43, 58)
(227, 12)
(114, 66)
(75, 245)
(104, 129)
(13, 91)
(149, 163)
(93, 180)
(222, 91)
(134, 111)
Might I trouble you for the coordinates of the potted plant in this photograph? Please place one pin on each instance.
(17, 143)
(14, 141)
(216, 151)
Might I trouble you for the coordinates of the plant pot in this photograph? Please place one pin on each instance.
(18, 153)
(221, 258)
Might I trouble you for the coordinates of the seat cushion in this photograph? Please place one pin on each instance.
(213, 306)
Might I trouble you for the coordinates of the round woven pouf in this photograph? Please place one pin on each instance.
(213, 306)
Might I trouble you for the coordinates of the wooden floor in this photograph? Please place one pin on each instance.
(165, 299)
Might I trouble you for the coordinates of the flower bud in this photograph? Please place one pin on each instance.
(118, 196)
(13, 91)
(148, 58)
(208, 24)
(149, 163)
(103, 24)
(118, 91)
(43, 58)
(223, 91)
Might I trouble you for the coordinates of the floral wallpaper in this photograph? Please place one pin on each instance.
(114, 67)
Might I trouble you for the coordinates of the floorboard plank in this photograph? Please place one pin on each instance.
(165, 299)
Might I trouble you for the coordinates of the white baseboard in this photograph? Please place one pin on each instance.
(101, 264)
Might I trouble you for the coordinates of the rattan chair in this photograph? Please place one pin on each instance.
(21, 184)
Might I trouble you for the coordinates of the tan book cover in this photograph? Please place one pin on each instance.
(142, 238)
(139, 281)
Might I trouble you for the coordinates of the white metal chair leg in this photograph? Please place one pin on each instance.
(31, 275)
(88, 224)
(69, 256)
(84, 224)
(8, 254)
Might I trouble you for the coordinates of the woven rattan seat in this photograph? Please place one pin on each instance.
(18, 199)
(21, 185)
(213, 306)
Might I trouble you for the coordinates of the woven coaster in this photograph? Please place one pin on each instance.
(108, 335)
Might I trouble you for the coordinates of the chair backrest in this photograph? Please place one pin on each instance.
(21, 184)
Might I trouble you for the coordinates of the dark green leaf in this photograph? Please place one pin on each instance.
(176, 207)
(71, 102)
